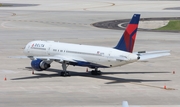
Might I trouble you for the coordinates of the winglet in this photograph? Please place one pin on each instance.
(126, 43)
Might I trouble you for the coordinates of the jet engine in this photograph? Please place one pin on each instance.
(39, 65)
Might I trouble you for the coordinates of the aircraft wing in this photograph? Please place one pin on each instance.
(144, 55)
(58, 58)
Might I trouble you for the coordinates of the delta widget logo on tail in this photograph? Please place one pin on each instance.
(127, 41)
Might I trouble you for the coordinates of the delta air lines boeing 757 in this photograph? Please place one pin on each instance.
(43, 53)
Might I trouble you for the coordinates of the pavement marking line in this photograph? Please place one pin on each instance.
(153, 86)
(13, 14)
(7, 14)
(113, 4)
(110, 4)
(120, 25)
(4, 26)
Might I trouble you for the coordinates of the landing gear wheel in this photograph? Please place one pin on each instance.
(93, 72)
(65, 74)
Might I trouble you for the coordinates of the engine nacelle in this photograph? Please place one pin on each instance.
(39, 65)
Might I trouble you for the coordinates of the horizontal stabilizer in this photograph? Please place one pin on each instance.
(152, 54)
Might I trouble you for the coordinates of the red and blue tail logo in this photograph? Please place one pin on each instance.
(126, 43)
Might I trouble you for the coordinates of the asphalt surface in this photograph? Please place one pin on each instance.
(114, 24)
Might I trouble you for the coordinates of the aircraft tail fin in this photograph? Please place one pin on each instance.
(126, 43)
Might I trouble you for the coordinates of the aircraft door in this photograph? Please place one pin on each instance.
(26, 49)
(109, 56)
(109, 59)
(48, 49)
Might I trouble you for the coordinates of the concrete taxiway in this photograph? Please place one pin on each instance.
(141, 83)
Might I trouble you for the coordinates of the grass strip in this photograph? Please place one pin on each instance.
(173, 25)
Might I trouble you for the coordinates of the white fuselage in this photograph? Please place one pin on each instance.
(105, 56)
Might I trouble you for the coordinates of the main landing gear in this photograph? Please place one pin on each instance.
(64, 72)
(96, 72)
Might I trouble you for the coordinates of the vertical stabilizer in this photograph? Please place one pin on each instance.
(126, 43)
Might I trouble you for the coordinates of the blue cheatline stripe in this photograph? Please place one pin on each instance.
(131, 35)
(87, 64)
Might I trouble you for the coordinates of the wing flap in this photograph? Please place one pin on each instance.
(144, 55)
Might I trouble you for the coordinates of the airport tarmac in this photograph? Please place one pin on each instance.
(140, 83)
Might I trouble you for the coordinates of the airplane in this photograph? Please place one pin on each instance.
(43, 53)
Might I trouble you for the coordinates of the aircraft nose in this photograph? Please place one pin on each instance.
(25, 49)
